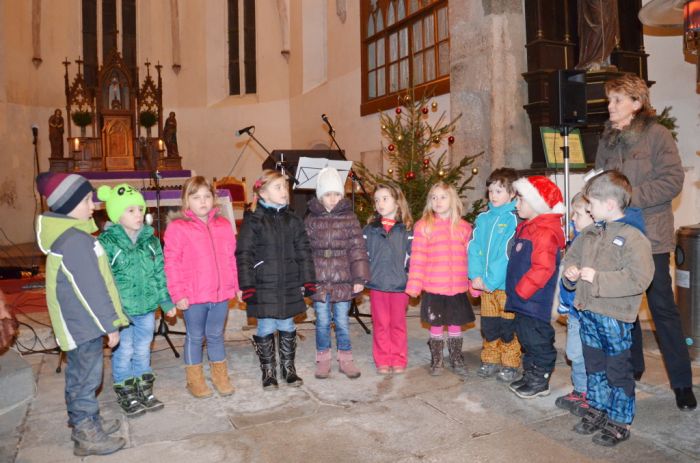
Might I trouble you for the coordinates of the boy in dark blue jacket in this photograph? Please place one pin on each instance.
(532, 278)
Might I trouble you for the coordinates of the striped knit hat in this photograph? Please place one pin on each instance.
(62, 191)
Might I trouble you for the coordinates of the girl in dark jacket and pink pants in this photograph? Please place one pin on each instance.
(342, 269)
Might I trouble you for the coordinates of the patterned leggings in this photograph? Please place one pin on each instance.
(501, 345)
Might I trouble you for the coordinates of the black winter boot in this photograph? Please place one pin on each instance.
(436, 345)
(146, 397)
(265, 348)
(536, 384)
(128, 398)
(90, 439)
(454, 347)
(591, 422)
(288, 348)
(520, 382)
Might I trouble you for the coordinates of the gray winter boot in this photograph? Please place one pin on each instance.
(436, 345)
(90, 439)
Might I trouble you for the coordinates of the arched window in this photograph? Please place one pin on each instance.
(413, 50)
(242, 74)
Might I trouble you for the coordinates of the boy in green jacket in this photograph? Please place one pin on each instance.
(136, 259)
(610, 265)
(83, 304)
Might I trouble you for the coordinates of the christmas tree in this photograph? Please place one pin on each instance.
(415, 164)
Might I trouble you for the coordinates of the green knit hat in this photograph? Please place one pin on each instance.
(120, 197)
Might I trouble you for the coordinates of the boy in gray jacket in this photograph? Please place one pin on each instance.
(610, 265)
(83, 304)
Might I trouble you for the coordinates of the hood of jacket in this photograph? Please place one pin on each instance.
(628, 136)
(633, 216)
(503, 208)
(546, 221)
(50, 226)
(344, 206)
(118, 233)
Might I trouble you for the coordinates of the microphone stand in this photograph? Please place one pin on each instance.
(163, 329)
(279, 164)
(354, 310)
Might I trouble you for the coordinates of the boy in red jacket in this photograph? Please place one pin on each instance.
(531, 279)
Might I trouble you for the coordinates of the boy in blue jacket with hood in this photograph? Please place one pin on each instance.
(488, 261)
(83, 304)
(610, 264)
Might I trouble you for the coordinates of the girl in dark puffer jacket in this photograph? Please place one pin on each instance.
(275, 271)
(342, 269)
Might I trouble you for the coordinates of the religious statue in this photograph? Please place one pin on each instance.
(170, 135)
(56, 134)
(598, 33)
(115, 95)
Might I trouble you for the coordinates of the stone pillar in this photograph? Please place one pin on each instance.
(487, 56)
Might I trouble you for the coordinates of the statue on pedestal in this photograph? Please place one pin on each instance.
(115, 94)
(170, 135)
(56, 127)
(598, 33)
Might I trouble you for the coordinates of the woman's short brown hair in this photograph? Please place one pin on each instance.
(634, 87)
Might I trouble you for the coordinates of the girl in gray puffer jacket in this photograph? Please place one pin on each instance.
(342, 269)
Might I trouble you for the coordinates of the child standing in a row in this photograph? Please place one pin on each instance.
(389, 239)
(200, 266)
(439, 270)
(342, 269)
(136, 259)
(275, 271)
(532, 278)
(488, 261)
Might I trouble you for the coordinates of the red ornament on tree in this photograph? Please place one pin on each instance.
(398, 110)
(450, 139)
(426, 162)
(391, 147)
(410, 175)
(424, 110)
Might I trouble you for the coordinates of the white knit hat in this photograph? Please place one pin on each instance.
(541, 194)
(329, 181)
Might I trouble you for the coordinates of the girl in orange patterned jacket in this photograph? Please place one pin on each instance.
(439, 270)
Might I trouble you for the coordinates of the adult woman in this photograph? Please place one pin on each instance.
(642, 149)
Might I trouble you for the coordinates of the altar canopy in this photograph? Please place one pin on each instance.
(116, 125)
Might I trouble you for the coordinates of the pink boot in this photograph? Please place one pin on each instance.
(323, 364)
(346, 365)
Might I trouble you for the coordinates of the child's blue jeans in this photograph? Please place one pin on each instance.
(206, 320)
(323, 324)
(574, 352)
(267, 326)
(132, 356)
(83, 377)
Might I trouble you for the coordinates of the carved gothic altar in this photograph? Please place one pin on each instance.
(111, 127)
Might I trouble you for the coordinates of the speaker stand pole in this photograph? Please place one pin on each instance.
(564, 130)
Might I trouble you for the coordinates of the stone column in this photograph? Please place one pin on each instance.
(487, 56)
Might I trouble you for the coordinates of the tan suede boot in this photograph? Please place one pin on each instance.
(219, 377)
(195, 381)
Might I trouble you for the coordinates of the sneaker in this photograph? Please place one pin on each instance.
(507, 374)
(487, 370)
(383, 370)
(574, 402)
(399, 370)
(591, 422)
(612, 434)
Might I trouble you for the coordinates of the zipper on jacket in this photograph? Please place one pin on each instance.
(216, 262)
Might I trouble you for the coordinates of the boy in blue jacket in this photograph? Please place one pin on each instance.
(488, 261)
(83, 304)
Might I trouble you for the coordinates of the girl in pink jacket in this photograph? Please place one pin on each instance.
(200, 266)
(439, 269)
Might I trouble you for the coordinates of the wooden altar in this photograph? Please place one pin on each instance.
(109, 126)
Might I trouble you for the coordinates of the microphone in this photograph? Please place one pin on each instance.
(35, 132)
(325, 119)
(245, 130)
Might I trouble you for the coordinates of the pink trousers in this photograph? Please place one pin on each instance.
(389, 337)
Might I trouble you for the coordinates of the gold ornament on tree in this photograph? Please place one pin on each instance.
(433, 105)
(475, 170)
(441, 173)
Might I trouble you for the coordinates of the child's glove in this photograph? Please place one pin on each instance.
(248, 293)
(309, 289)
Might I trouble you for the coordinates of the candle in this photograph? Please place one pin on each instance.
(76, 144)
(160, 144)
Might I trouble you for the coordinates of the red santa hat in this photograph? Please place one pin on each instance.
(541, 194)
